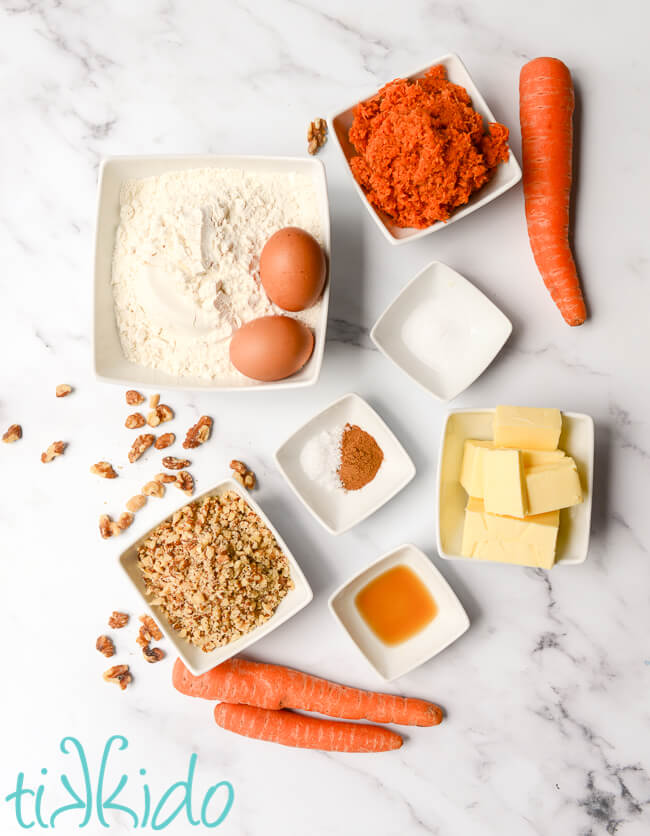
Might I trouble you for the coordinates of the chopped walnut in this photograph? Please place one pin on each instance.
(154, 400)
(125, 519)
(135, 421)
(14, 432)
(152, 628)
(172, 463)
(165, 440)
(165, 478)
(154, 488)
(136, 502)
(199, 433)
(118, 620)
(105, 646)
(55, 449)
(104, 469)
(134, 398)
(119, 674)
(316, 135)
(63, 389)
(185, 482)
(142, 443)
(153, 654)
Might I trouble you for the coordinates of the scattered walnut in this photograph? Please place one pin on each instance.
(165, 440)
(185, 482)
(133, 398)
(105, 645)
(125, 519)
(154, 400)
(159, 415)
(152, 628)
(136, 502)
(142, 443)
(154, 488)
(135, 421)
(199, 433)
(14, 432)
(105, 526)
(55, 449)
(118, 620)
(242, 474)
(104, 469)
(165, 478)
(316, 135)
(153, 654)
(144, 637)
(238, 466)
(119, 674)
(63, 389)
(172, 463)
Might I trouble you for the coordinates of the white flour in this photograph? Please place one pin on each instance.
(185, 265)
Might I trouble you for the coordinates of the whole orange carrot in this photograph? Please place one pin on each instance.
(275, 687)
(304, 732)
(546, 104)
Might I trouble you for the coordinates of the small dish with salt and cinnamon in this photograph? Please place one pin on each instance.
(344, 463)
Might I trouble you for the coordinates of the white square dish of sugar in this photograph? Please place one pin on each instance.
(344, 464)
(441, 331)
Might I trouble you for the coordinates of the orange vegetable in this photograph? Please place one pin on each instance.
(303, 732)
(276, 687)
(546, 104)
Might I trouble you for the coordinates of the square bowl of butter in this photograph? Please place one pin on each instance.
(515, 486)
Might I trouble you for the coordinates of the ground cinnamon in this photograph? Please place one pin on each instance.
(361, 458)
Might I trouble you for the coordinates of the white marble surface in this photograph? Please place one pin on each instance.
(547, 694)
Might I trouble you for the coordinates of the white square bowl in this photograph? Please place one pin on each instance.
(110, 364)
(338, 511)
(464, 330)
(389, 662)
(506, 176)
(193, 657)
(577, 440)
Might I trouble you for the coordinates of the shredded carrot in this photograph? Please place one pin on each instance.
(422, 149)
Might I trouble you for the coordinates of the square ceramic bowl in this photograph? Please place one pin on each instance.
(450, 622)
(442, 331)
(577, 440)
(110, 364)
(338, 510)
(505, 177)
(193, 657)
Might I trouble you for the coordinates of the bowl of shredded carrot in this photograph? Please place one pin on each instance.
(425, 151)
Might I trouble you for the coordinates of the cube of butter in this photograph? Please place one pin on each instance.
(553, 486)
(471, 475)
(527, 427)
(527, 542)
(504, 489)
(533, 458)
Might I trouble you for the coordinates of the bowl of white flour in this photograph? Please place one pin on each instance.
(177, 249)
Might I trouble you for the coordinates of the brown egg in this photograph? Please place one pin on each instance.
(293, 269)
(271, 347)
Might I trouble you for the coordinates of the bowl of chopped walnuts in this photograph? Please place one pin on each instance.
(216, 575)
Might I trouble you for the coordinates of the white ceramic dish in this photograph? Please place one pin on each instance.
(577, 440)
(505, 177)
(337, 510)
(193, 657)
(461, 330)
(390, 662)
(110, 364)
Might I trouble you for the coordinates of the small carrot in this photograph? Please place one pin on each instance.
(546, 103)
(304, 732)
(275, 687)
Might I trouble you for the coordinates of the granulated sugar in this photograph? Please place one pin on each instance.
(320, 458)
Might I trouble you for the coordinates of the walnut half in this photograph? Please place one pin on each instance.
(119, 674)
(103, 469)
(316, 135)
(199, 433)
(140, 445)
(118, 620)
(63, 389)
(55, 449)
(14, 432)
(172, 463)
(105, 646)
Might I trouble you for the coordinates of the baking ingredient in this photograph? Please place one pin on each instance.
(118, 619)
(422, 150)
(119, 674)
(134, 421)
(320, 458)
(103, 469)
(13, 433)
(271, 347)
(164, 441)
(396, 605)
(55, 449)
(527, 427)
(133, 397)
(504, 491)
(274, 687)
(185, 266)
(303, 732)
(63, 390)
(198, 433)
(242, 474)
(532, 458)
(316, 135)
(527, 542)
(361, 458)
(553, 486)
(293, 269)
(471, 474)
(546, 103)
(215, 570)
(105, 646)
